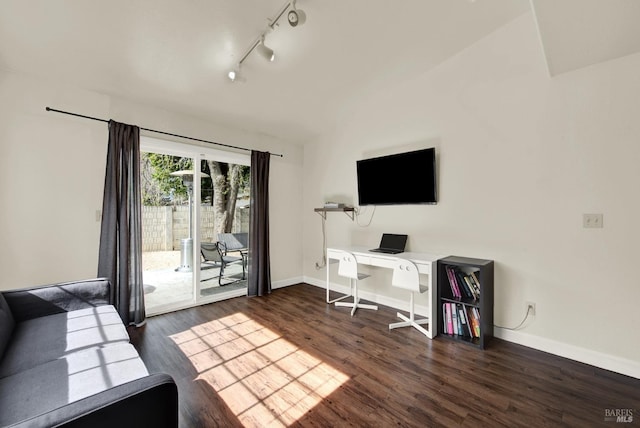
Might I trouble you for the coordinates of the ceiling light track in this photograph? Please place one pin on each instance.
(295, 17)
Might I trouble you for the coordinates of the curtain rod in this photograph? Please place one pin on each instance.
(158, 132)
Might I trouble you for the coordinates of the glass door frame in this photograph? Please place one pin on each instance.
(198, 154)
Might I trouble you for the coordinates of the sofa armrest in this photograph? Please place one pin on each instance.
(51, 299)
(151, 401)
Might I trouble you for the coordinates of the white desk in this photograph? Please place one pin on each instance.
(426, 265)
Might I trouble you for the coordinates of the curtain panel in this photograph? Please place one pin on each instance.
(120, 256)
(259, 258)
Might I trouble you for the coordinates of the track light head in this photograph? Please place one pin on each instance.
(234, 74)
(296, 16)
(265, 51)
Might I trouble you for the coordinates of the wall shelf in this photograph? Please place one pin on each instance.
(349, 211)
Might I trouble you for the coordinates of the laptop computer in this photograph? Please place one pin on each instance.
(391, 244)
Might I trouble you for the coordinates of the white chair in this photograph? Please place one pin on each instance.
(405, 275)
(348, 267)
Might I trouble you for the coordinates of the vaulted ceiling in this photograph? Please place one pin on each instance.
(176, 54)
(579, 33)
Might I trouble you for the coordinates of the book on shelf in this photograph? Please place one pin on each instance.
(476, 281)
(466, 327)
(444, 319)
(459, 319)
(453, 283)
(462, 285)
(473, 280)
(449, 323)
(472, 289)
(454, 318)
(474, 315)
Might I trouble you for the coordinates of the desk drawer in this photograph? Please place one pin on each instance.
(383, 262)
(363, 260)
(389, 263)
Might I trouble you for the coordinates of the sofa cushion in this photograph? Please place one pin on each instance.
(73, 377)
(35, 302)
(43, 339)
(6, 325)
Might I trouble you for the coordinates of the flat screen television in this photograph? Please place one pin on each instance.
(399, 179)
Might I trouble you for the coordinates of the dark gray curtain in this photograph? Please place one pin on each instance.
(259, 259)
(120, 258)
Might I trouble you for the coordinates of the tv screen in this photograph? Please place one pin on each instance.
(403, 178)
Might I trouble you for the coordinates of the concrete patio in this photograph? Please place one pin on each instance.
(164, 286)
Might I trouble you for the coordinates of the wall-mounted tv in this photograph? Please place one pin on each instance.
(403, 178)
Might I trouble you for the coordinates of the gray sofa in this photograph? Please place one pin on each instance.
(66, 360)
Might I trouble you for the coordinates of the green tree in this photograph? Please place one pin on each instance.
(228, 180)
(162, 167)
(221, 189)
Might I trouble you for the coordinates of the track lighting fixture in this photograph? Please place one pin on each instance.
(295, 17)
(265, 51)
(233, 74)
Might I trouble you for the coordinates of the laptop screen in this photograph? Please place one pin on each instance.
(393, 242)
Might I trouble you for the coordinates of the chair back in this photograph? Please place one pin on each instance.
(233, 241)
(348, 266)
(243, 238)
(212, 251)
(406, 275)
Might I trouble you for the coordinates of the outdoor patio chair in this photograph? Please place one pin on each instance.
(236, 242)
(216, 253)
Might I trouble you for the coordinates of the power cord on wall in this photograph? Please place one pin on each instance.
(357, 211)
(526, 316)
(324, 246)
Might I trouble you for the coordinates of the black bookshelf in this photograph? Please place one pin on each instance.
(483, 270)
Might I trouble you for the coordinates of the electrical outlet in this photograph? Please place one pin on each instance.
(592, 220)
(531, 308)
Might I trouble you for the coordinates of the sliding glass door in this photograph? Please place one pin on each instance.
(195, 224)
(167, 244)
(224, 228)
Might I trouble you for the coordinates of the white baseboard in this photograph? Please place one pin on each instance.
(576, 353)
(286, 282)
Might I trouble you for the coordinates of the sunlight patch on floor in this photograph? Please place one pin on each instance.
(264, 379)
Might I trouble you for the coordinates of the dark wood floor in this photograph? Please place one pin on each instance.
(325, 368)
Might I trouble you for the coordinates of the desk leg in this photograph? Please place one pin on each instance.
(433, 298)
(326, 266)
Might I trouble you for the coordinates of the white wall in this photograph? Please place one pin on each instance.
(521, 157)
(52, 165)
